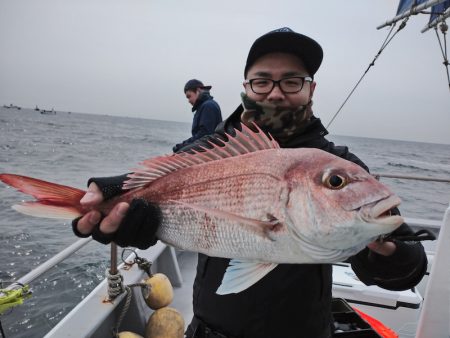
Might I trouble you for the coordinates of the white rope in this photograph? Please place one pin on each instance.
(115, 284)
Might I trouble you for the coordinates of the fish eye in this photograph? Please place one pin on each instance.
(335, 181)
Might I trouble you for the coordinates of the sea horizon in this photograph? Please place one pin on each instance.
(189, 123)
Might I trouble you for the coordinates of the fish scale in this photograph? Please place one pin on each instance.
(254, 197)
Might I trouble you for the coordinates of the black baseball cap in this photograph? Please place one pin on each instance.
(194, 84)
(286, 40)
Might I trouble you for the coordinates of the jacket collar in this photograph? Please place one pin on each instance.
(205, 96)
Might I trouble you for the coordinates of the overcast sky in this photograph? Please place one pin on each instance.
(133, 57)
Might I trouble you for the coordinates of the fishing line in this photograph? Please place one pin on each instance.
(383, 46)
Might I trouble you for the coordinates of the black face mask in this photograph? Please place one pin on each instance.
(281, 123)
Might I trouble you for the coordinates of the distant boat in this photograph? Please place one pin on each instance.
(48, 112)
(12, 106)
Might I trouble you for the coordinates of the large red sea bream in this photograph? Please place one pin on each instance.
(247, 200)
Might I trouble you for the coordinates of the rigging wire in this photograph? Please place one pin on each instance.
(444, 28)
(383, 46)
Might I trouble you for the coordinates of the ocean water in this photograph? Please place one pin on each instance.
(68, 148)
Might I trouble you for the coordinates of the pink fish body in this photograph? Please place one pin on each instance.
(247, 200)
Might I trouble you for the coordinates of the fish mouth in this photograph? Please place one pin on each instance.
(379, 212)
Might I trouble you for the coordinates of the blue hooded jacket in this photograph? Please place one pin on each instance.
(206, 118)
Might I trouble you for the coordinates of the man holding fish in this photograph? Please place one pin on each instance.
(286, 290)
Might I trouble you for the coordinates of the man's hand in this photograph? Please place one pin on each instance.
(110, 223)
(382, 248)
(133, 224)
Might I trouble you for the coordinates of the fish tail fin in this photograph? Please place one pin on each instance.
(52, 200)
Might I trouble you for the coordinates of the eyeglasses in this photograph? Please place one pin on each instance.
(288, 85)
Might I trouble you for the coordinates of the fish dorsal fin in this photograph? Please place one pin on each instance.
(244, 142)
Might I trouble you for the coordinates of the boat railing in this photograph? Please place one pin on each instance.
(163, 259)
(47, 265)
(96, 314)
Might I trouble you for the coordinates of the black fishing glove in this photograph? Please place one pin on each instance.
(109, 186)
(137, 229)
(400, 271)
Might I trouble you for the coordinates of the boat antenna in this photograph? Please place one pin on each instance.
(383, 46)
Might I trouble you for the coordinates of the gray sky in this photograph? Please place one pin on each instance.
(132, 58)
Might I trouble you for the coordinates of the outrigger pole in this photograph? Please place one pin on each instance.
(413, 11)
(440, 19)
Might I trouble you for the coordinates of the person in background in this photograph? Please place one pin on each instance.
(293, 300)
(207, 112)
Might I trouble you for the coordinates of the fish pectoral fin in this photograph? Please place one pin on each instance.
(263, 228)
(240, 275)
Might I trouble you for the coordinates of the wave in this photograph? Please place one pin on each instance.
(435, 168)
(401, 165)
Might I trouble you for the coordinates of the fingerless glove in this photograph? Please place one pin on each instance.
(137, 229)
(109, 186)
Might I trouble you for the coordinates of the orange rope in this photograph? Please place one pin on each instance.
(378, 326)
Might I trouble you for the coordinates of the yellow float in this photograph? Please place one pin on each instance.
(165, 323)
(161, 291)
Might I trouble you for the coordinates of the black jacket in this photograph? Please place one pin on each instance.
(294, 300)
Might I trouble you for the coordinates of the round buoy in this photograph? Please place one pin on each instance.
(161, 291)
(165, 323)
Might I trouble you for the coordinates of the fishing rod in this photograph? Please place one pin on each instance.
(407, 177)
